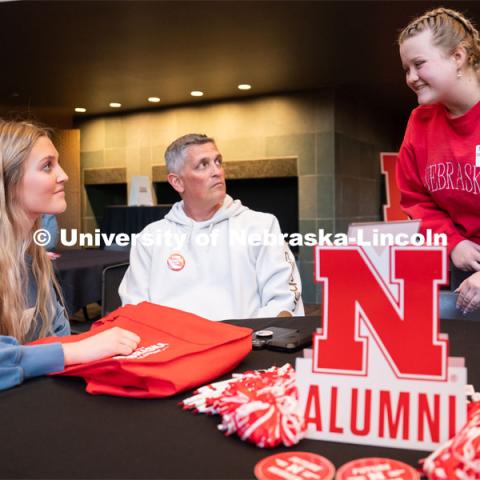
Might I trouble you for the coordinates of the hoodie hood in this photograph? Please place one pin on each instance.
(229, 209)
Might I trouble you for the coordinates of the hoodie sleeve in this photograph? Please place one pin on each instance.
(18, 362)
(278, 278)
(134, 287)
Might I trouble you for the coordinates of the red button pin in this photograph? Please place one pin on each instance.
(175, 262)
(376, 468)
(294, 466)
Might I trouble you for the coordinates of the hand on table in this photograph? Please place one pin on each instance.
(114, 341)
(469, 294)
(466, 256)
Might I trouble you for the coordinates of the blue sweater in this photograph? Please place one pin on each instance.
(18, 362)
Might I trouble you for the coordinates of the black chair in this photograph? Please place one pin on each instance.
(111, 279)
(449, 310)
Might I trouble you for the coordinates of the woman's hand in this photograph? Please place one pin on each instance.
(466, 256)
(469, 294)
(114, 341)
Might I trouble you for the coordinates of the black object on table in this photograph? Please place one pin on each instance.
(131, 219)
(51, 428)
(80, 274)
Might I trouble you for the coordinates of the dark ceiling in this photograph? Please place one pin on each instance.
(66, 54)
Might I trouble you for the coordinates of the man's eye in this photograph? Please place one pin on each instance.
(219, 162)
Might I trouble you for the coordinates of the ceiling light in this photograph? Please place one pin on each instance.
(80, 109)
(244, 86)
(196, 93)
(115, 105)
(153, 99)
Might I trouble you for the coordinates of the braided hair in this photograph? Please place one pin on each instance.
(450, 29)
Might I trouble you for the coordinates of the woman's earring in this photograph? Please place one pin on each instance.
(459, 74)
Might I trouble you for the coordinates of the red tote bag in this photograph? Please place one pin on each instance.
(178, 351)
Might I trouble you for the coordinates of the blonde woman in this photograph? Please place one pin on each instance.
(439, 162)
(31, 184)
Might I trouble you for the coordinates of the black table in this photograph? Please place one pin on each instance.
(80, 274)
(126, 219)
(51, 428)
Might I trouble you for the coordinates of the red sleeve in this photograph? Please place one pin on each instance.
(416, 201)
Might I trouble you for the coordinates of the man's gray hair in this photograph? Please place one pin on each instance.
(175, 153)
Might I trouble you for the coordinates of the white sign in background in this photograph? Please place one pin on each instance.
(140, 191)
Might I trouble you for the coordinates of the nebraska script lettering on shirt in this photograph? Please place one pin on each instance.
(453, 176)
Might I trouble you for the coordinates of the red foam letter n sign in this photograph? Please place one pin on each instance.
(400, 314)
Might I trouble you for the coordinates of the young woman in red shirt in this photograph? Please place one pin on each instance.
(439, 162)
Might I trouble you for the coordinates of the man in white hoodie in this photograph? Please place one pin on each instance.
(211, 255)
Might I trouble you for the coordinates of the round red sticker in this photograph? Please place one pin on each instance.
(294, 466)
(367, 468)
(175, 262)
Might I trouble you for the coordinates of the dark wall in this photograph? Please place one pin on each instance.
(278, 196)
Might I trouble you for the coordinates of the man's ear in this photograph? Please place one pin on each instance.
(176, 182)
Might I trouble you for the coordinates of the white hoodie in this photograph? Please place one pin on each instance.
(224, 279)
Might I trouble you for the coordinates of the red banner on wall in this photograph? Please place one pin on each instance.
(392, 210)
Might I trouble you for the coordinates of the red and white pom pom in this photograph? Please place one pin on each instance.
(459, 458)
(260, 406)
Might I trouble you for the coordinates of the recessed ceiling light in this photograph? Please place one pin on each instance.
(115, 105)
(80, 109)
(196, 93)
(153, 99)
(244, 86)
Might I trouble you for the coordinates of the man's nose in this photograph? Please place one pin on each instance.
(217, 169)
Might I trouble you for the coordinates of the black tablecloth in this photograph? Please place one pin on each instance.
(80, 274)
(51, 428)
(125, 219)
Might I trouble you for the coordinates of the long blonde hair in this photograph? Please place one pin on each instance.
(450, 29)
(16, 142)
